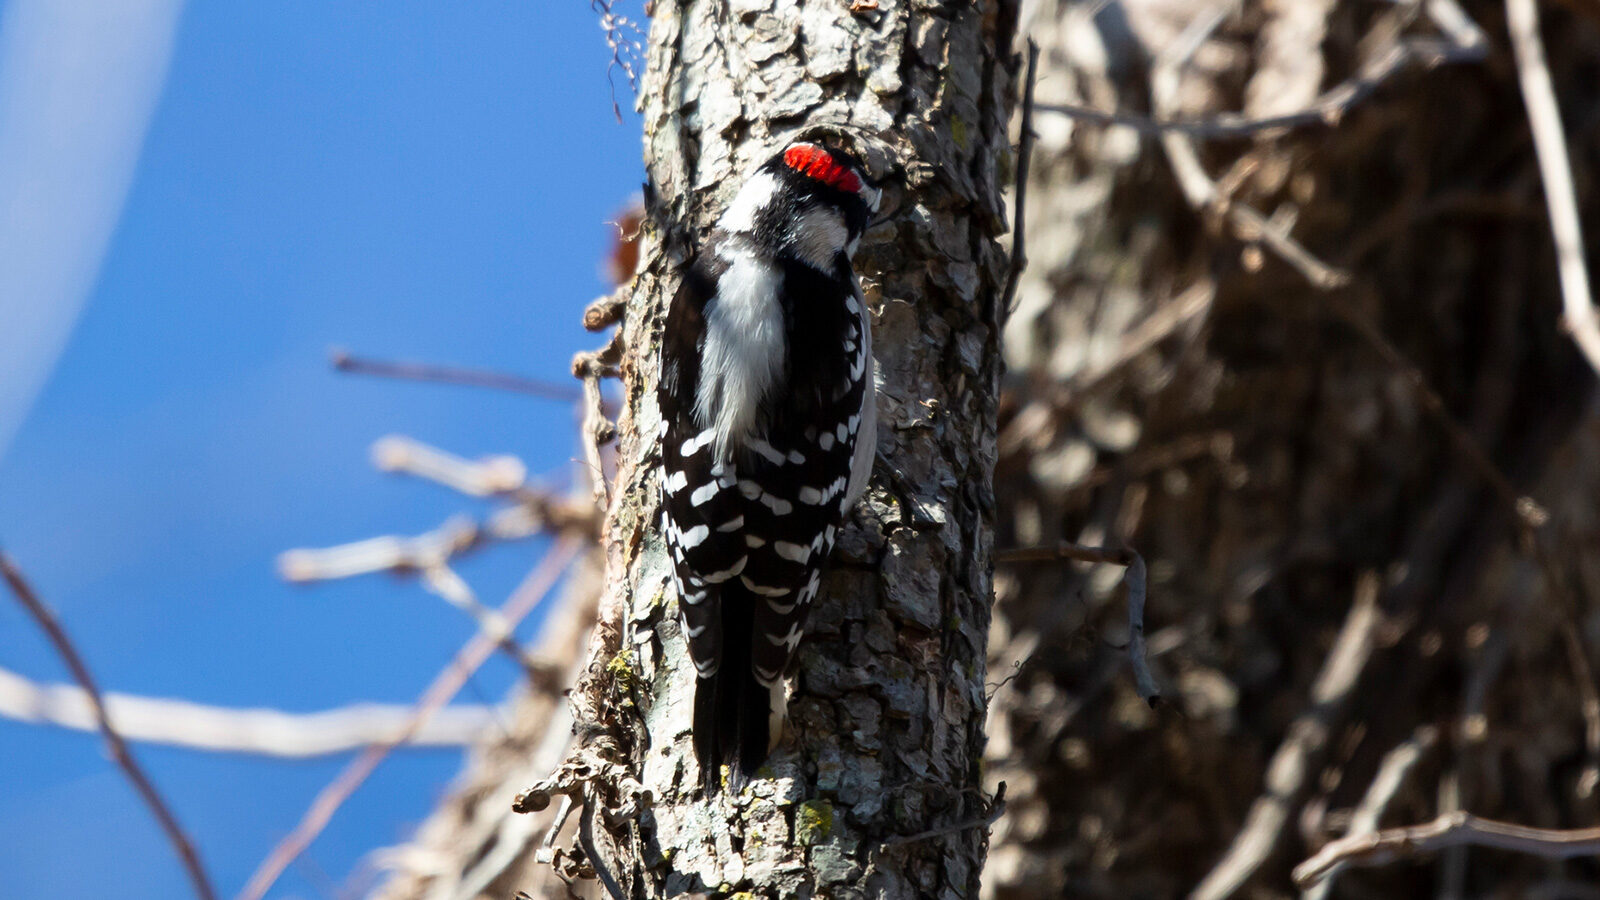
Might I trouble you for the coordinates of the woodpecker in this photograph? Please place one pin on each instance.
(768, 435)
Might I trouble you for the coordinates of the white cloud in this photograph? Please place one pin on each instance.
(79, 81)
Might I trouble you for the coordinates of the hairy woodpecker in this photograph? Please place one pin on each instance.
(768, 435)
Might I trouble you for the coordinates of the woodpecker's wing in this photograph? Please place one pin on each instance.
(701, 521)
(804, 464)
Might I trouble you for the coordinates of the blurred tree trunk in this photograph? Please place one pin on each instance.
(1262, 438)
(887, 707)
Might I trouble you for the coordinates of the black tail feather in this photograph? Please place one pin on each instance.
(731, 710)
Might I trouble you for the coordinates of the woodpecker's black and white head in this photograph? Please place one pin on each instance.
(811, 201)
(767, 434)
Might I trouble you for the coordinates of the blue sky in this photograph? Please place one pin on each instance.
(413, 180)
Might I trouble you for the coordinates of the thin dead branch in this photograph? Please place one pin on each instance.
(1457, 829)
(1328, 110)
(344, 361)
(115, 745)
(443, 582)
(1137, 581)
(1019, 255)
(993, 810)
(258, 732)
(1550, 146)
(1200, 189)
(598, 431)
(627, 48)
(1392, 772)
(527, 597)
(487, 477)
(1294, 762)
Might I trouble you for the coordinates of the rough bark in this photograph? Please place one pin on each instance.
(876, 790)
(888, 702)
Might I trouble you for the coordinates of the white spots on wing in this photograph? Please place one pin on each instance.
(788, 641)
(825, 441)
(694, 537)
(691, 446)
(704, 494)
(756, 194)
(809, 592)
(796, 457)
(693, 598)
(743, 354)
(778, 505)
(733, 524)
(695, 632)
(754, 542)
(769, 679)
(782, 609)
(810, 496)
(851, 305)
(762, 589)
(729, 572)
(765, 450)
(842, 433)
(706, 667)
(749, 489)
(675, 482)
(796, 552)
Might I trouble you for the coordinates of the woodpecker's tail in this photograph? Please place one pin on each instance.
(733, 719)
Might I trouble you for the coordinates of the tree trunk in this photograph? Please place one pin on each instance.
(888, 702)
(875, 790)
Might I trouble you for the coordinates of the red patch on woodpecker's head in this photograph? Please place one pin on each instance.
(816, 162)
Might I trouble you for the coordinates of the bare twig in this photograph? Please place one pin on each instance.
(1457, 829)
(487, 477)
(389, 553)
(115, 745)
(344, 361)
(1550, 145)
(1199, 188)
(605, 311)
(443, 582)
(996, 808)
(597, 429)
(1019, 255)
(627, 49)
(1294, 760)
(260, 732)
(446, 684)
(1525, 514)
(1327, 110)
(493, 476)
(1137, 581)
(1392, 772)
(586, 838)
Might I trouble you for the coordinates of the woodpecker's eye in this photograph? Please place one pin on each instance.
(819, 163)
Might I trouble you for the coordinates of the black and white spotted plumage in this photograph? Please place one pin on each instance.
(768, 435)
